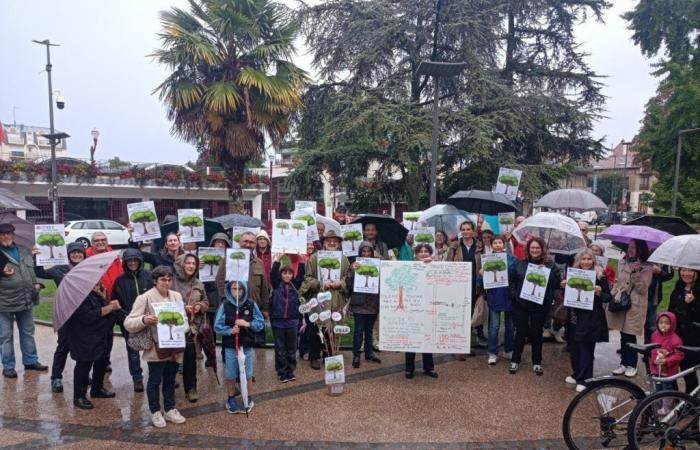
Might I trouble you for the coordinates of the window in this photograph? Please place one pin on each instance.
(78, 226)
(111, 225)
(93, 225)
(644, 182)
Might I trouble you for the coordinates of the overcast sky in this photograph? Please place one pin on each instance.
(103, 72)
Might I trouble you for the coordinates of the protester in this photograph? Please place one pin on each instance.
(486, 238)
(528, 316)
(285, 318)
(220, 241)
(341, 215)
(684, 304)
(100, 244)
(263, 252)
(441, 246)
(371, 235)
(598, 249)
(660, 274)
(365, 309)
(133, 282)
(166, 256)
(424, 253)
(236, 321)
(666, 360)
(162, 363)
(585, 328)
(633, 279)
(19, 292)
(89, 334)
(583, 226)
(76, 254)
(186, 283)
(516, 248)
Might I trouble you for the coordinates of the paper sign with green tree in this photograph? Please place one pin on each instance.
(410, 218)
(170, 319)
(508, 182)
(329, 265)
(51, 244)
(210, 258)
(580, 288)
(307, 216)
(424, 235)
(289, 236)
(367, 276)
(506, 222)
(352, 238)
(193, 222)
(145, 221)
(237, 264)
(535, 283)
(172, 324)
(334, 370)
(495, 267)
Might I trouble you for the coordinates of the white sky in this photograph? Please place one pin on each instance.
(102, 70)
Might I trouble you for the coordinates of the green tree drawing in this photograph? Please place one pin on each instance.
(352, 236)
(298, 227)
(237, 237)
(211, 261)
(282, 226)
(495, 266)
(509, 181)
(238, 257)
(143, 217)
(537, 279)
(580, 284)
(191, 221)
(171, 319)
(329, 264)
(505, 220)
(308, 218)
(367, 271)
(424, 238)
(50, 240)
(400, 279)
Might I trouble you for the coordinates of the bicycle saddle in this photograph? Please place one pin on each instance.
(643, 348)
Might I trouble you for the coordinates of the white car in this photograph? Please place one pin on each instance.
(82, 230)
(588, 216)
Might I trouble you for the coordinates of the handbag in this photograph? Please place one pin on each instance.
(620, 303)
(481, 310)
(140, 341)
(558, 308)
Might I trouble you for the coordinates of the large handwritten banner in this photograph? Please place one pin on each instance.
(425, 307)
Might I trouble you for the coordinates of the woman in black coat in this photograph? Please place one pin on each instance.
(528, 316)
(89, 335)
(685, 305)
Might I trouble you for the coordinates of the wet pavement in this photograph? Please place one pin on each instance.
(470, 405)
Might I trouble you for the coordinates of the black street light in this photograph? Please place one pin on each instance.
(95, 133)
(437, 70)
(678, 164)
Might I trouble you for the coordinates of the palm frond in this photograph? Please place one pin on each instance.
(222, 97)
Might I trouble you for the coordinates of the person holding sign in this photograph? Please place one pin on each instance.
(364, 307)
(584, 328)
(599, 252)
(285, 318)
(263, 252)
(528, 315)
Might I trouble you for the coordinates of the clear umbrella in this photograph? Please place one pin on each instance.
(571, 200)
(448, 219)
(679, 251)
(243, 381)
(561, 233)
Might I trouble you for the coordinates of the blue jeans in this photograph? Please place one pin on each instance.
(494, 328)
(25, 323)
(161, 373)
(135, 369)
(363, 329)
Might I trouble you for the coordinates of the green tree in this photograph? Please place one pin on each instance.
(282, 227)
(232, 82)
(580, 284)
(238, 257)
(509, 181)
(495, 266)
(50, 240)
(171, 319)
(352, 236)
(505, 220)
(401, 279)
(329, 264)
(211, 261)
(424, 238)
(191, 221)
(537, 280)
(298, 227)
(308, 219)
(367, 271)
(143, 217)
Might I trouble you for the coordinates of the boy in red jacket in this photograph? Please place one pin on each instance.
(665, 361)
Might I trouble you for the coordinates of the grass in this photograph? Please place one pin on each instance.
(49, 290)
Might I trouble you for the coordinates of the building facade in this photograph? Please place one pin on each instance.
(23, 142)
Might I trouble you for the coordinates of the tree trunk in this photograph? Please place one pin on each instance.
(510, 45)
(235, 173)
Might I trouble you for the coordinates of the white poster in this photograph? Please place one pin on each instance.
(172, 324)
(602, 261)
(506, 222)
(304, 204)
(423, 235)
(237, 264)
(367, 275)
(334, 369)
(289, 236)
(307, 215)
(329, 265)
(410, 219)
(209, 259)
(236, 233)
(535, 284)
(508, 182)
(495, 267)
(191, 224)
(425, 307)
(143, 217)
(580, 288)
(52, 245)
(352, 238)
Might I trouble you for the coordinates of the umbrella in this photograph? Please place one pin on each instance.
(391, 232)
(211, 227)
(561, 233)
(206, 339)
(24, 231)
(670, 224)
(78, 283)
(679, 251)
(571, 200)
(448, 219)
(624, 234)
(10, 201)
(239, 220)
(242, 381)
(328, 222)
(482, 202)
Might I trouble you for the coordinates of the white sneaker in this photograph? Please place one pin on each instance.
(580, 387)
(174, 416)
(508, 355)
(630, 372)
(570, 380)
(620, 370)
(492, 360)
(157, 420)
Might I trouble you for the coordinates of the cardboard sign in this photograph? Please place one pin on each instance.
(352, 238)
(329, 265)
(334, 369)
(580, 288)
(367, 275)
(191, 224)
(495, 267)
(307, 215)
(50, 239)
(535, 284)
(210, 258)
(289, 236)
(508, 182)
(506, 222)
(237, 264)
(172, 324)
(143, 217)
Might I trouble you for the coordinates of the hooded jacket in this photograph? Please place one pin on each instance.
(210, 286)
(669, 343)
(112, 273)
(56, 273)
(244, 309)
(258, 287)
(686, 313)
(17, 291)
(361, 303)
(191, 290)
(284, 302)
(130, 284)
(266, 257)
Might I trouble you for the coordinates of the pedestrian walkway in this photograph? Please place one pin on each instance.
(469, 406)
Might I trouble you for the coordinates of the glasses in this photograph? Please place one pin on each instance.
(165, 280)
(99, 240)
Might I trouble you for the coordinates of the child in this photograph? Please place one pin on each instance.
(665, 361)
(236, 321)
(285, 319)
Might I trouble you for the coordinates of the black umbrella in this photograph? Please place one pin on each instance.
(482, 202)
(239, 220)
(670, 224)
(210, 229)
(391, 232)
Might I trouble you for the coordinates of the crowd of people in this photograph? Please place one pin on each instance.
(626, 300)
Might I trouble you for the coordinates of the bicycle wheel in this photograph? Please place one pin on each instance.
(597, 417)
(667, 419)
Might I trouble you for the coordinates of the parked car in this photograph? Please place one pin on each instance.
(82, 230)
(589, 217)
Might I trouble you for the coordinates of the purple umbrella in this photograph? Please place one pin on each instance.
(78, 283)
(623, 234)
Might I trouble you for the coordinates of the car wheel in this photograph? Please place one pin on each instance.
(84, 241)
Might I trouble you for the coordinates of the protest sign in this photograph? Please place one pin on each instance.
(506, 222)
(367, 275)
(52, 245)
(145, 221)
(172, 324)
(237, 264)
(352, 238)
(329, 264)
(495, 267)
(304, 204)
(289, 236)
(423, 235)
(210, 257)
(334, 369)
(580, 288)
(535, 284)
(508, 182)
(410, 219)
(307, 215)
(191, 224)
(237, 232)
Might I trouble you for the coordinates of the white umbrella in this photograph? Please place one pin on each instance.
(329, 223)
(571, 200)
(561, 233)
(679, 251)
(242, 380)
(448, 219)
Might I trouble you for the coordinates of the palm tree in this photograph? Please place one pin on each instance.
(232, 82)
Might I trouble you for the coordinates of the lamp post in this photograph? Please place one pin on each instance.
(437, 70)
(95, 133)
(269, 194)
(678, 164)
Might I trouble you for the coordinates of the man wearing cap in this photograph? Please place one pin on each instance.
(18, 294)
(312, 286)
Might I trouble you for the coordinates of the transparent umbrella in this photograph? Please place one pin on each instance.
(448, 218)
(561, 233)
(679, 251)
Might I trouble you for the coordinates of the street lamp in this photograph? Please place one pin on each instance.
(95, 133)
(678, 163)
(437, 70)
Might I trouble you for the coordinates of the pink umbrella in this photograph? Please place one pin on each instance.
(624, 234)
